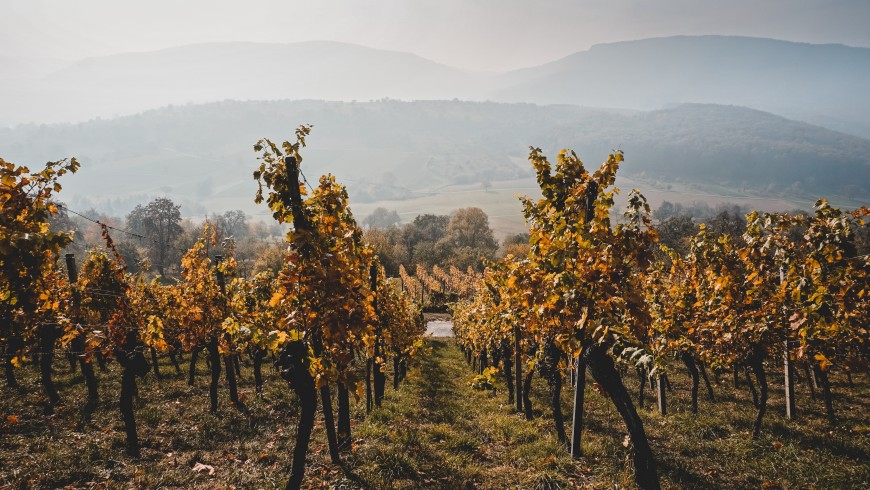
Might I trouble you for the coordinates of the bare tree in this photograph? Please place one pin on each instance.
(158, 221)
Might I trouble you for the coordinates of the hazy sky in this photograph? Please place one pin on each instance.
(477, 34)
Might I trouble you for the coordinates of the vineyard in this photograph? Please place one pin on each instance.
(595, 297)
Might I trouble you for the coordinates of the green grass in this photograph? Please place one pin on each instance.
(450, 436)
(434, 432)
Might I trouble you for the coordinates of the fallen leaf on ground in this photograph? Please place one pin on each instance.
(199, 467)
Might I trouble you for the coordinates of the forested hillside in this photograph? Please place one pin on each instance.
(390, 149)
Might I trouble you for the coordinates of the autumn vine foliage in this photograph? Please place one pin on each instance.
(100, 316)
(204, 319)
(403, 326)
(580, 291)
(108, 293)
(324, 295)
(254, 323)
(594, 307)
(831, 289)
(675, 306)
(792, 287)
(93, 299)
(29, 277)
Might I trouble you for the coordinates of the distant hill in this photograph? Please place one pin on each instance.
(21, 68)
(133, 82)
(202, 154)
(823, 84)
(826, 85)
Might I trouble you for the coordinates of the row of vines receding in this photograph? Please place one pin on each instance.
(327, 313)
(597, 292)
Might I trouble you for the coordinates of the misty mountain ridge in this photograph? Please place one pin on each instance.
(824, 84)
(19, 68)
(821, 84)
(128, 83)
(201, 155)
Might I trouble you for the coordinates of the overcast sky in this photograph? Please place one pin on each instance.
(475, 34)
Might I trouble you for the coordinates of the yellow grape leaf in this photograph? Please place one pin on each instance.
(823, 361)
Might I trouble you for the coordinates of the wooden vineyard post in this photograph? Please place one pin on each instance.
(661, 395)
(379, 377)
(790, 409)
(571, 372)
(482, 364)
(579, 393)
(368, 384)
(78, 346)
(788, 367)
(373, 278)
(519, 369)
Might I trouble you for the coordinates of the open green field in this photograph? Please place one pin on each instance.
(501, 204)
(434, 432)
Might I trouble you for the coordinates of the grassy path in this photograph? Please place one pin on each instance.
(437, 432)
